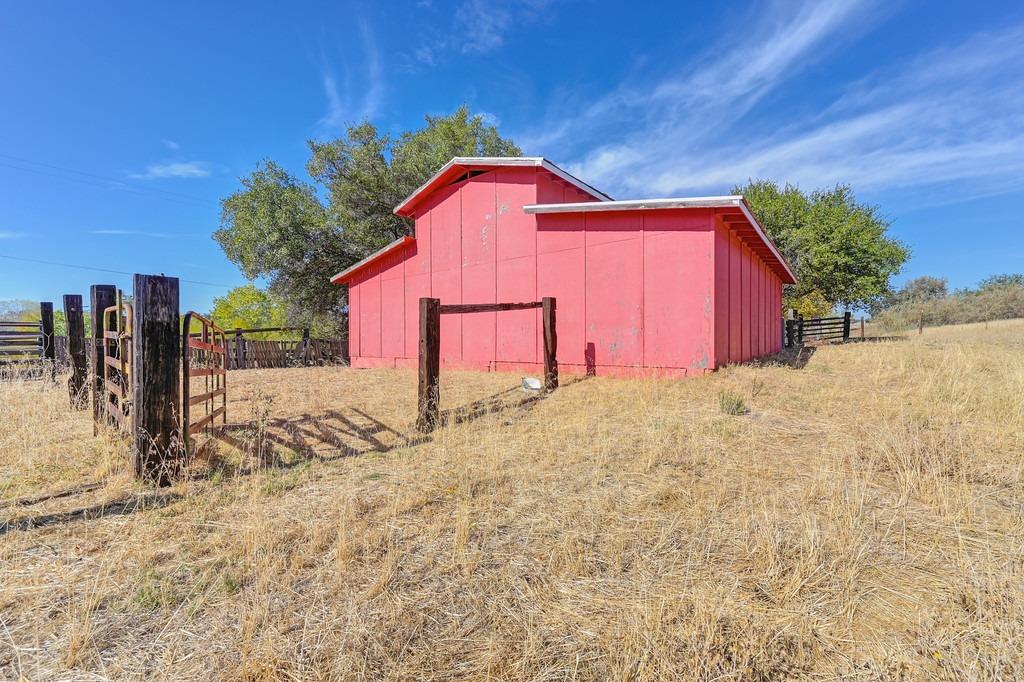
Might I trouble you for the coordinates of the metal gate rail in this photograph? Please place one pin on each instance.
(204, 355)
(117, 362)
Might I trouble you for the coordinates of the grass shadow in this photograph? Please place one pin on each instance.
(122, 507)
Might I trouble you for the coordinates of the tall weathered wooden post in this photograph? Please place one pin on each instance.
(75, 318)
(157, 453)
(46, 327)
(101, 297)
(846, 325)
(550, 344)
(430, 364)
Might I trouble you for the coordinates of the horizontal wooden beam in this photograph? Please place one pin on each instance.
(487, 307)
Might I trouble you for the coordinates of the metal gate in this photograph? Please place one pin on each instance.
(203, 355)
(117, 362)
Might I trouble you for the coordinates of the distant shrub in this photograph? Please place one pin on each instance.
(997, 298)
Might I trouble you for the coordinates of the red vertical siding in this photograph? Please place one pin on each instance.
(369, 314)
(678, 315)
(721, 295)
(516, 264)
(446, 267)
(479, 259)
(561, 271)
(614, 300)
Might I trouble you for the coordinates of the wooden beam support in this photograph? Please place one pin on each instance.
(550, 345)
(156, 382)
(75, 317)
(430, 365)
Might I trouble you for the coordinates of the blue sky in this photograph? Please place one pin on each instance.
(123, 124)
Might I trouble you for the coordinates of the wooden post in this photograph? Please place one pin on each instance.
(430, 364)
(800, 330)
(76, 349)
(156, 378)
(861, 326)
(239, 349)
(550, 344)
(846, 326)
(46, 327)
(305, 346)
(101, 297)
(790, 332)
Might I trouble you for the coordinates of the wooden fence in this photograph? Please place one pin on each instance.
(799, 331)
(248, 353)
(27, 348)
(429, 397)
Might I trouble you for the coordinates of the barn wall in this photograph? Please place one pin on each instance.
(748, 302)
(674, 292)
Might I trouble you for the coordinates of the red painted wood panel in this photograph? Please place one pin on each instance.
(479, 273)
(446, 266)
(354, 328)
(603, 228)
(677, 305)
(735, 301)
(614, 301)
(517, 236)
(478, 329)
(516, 264)
(517, 329)
(721, 295)
(392, 315)
(758, 341)
(416, 287)
(369, 315)
(562, 274)
(744, 301)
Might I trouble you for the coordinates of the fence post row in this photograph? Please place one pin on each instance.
(75, 318)
(46, 328)
(101, 297)
(156, 388)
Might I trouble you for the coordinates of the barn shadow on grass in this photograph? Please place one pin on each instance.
(288, 442)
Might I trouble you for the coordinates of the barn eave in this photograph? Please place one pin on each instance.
(394, 246)
(723, 204)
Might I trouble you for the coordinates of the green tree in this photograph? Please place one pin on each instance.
(298, 234)
(247, 307)
(837, 246)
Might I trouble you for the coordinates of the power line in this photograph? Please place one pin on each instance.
(116, 272)
(106, 180)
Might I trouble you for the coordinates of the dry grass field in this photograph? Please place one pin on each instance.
(857, 512)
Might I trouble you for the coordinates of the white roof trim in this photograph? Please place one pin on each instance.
(734, 200)
(401, 241)
(529, 161)
(635, 204)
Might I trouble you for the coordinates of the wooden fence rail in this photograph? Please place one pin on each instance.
(429, 398)
(800, 330)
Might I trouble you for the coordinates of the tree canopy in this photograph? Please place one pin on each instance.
(926, 301)
(297, 234)
(247, 307)
(837, 246)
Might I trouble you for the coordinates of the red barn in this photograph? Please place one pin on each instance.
(654, 286)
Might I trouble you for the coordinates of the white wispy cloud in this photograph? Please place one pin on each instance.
(11, 235)
(344, 103)
(173, 169)
(953, 114)
(134, 233)
(171, 144)
(478, 27)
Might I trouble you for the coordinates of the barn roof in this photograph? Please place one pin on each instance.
(734, 211)
(460, 165)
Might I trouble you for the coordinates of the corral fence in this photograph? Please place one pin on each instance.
(117, 322)
(27, 349)
(800, 330)
(249, 353)
(204, 356)
(429, 396)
